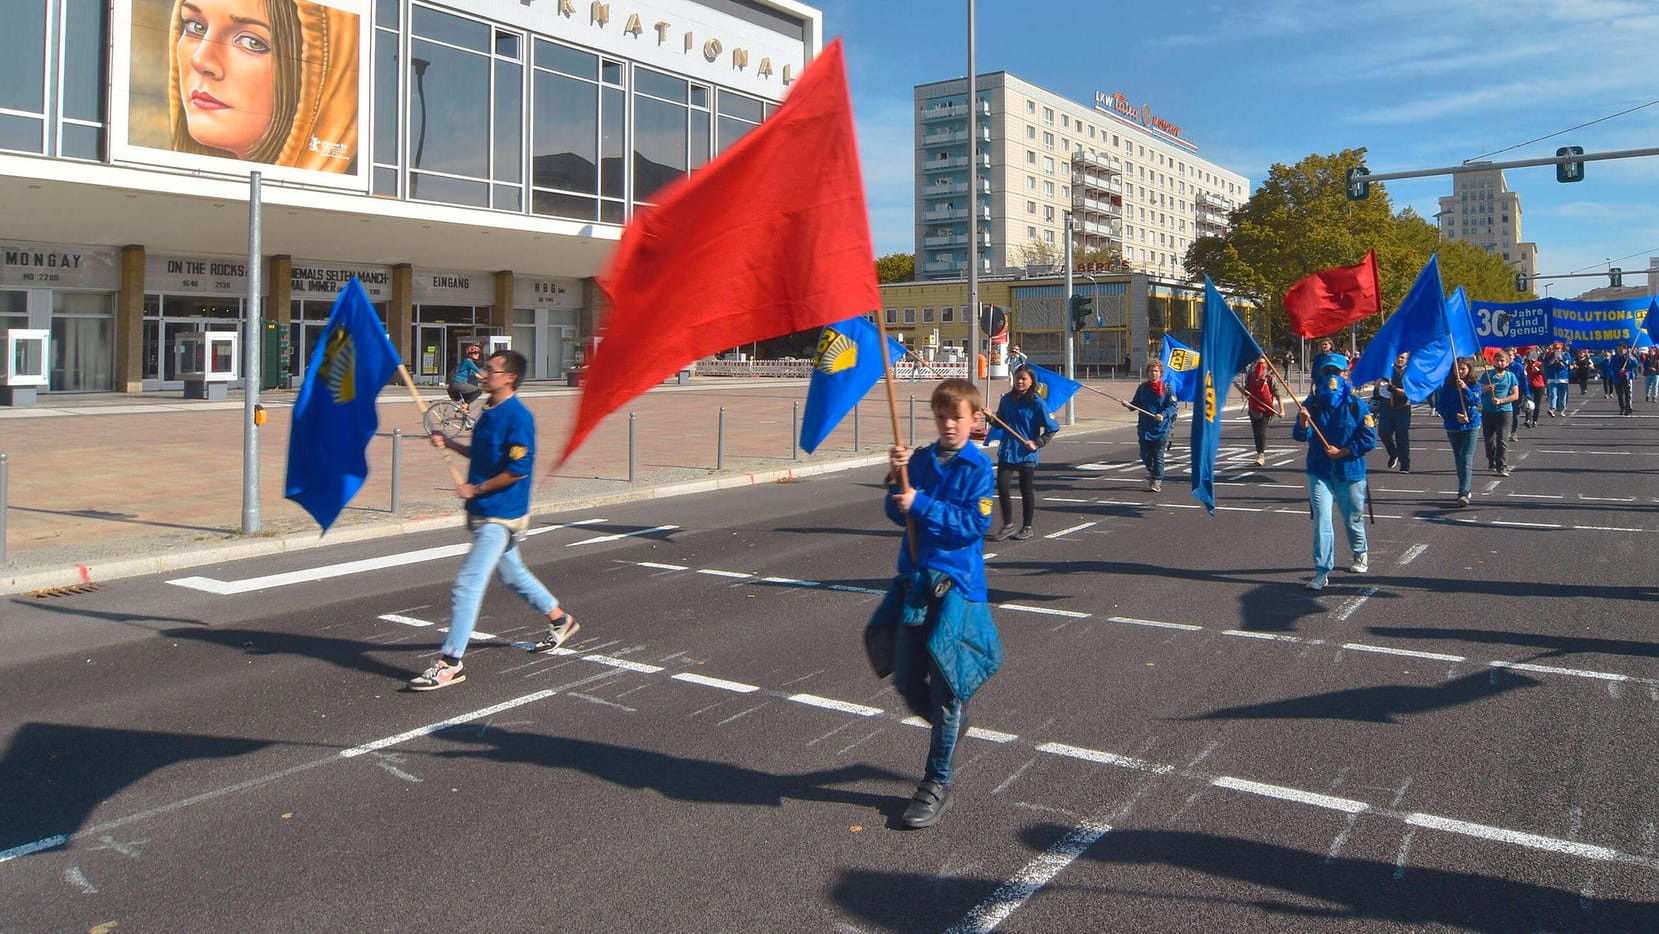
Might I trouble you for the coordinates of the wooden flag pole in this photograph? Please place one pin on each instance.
(1299, 407)
(1006, 427)
(898, 440)
(420, 403)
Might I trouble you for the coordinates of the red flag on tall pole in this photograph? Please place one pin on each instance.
(1331, 299)
(769, 238)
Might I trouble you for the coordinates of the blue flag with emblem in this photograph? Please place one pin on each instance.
(334, 416)
(846, 365)
(1224, 350)
(1418, 328)
(1180, 369)
(1055, 390)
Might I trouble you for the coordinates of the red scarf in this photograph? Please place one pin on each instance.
(1157, 387)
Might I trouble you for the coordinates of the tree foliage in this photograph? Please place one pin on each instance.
(1300, 220)
(896, 267)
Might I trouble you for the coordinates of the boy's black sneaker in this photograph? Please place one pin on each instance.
(557, 634)
(1023, 534)
(927, 806)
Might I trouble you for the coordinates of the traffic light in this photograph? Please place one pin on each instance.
(1520, 282)
(1616, 275)
(1569, 171)
(1358, 188)
(1082, 307)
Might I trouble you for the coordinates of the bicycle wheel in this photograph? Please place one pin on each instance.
(445, 417)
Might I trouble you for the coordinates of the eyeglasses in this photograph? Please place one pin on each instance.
(488, 371)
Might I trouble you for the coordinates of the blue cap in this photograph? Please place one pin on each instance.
(1332, 359)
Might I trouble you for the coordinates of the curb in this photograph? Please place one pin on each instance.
(75, 574)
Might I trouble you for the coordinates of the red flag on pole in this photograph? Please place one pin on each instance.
(1331, 299)
(768, 239)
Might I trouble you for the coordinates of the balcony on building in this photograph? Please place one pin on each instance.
(937, 190)
(935, 112)
(945, 137)
(942, 240)
(945, 213)
(949, 163)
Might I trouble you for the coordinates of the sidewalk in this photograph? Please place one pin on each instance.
(109, 485)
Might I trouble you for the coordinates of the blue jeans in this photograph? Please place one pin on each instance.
(1152, 455)
(1350, 500)
(1394, 430)
(1558, 394)
(1463, 458)
(492, 550)
(925, 690)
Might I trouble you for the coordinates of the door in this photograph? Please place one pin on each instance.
(430, 354)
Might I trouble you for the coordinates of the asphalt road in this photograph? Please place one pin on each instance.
(1183, 738)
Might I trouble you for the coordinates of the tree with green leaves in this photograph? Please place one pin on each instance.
(1300, 221)
(896, 267)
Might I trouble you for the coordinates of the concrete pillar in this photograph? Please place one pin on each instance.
(501, 313)
(129, 322)
(400, 313)
(279, 275)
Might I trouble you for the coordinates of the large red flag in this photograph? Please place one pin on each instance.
(1331, 299)
(769, 238)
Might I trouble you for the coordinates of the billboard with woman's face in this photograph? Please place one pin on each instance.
(238, 85)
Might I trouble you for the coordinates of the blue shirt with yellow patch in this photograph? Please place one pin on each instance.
(951, 513)
(503, 440)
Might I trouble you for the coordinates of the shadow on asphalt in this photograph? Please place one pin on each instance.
(676, 777)
(55, 776)
(351, 654)
(1379, 704)
(1306, 886)
(1552, 646)
(122, 517)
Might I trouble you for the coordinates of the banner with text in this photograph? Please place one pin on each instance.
(1583, 325)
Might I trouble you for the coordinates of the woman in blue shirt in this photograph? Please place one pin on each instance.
(1458, 402)
(1023, 410)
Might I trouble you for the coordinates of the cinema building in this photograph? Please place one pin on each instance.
(472, 163)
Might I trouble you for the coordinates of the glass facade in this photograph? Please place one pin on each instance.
(83, 342)
(52, 78)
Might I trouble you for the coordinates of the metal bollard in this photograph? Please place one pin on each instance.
(795, 432)
(397, 465)
(855, 428)
(912, 421)
(631, 459)
(720, 443)
(3, 508)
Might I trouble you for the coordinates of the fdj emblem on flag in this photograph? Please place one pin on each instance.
(1183, 359)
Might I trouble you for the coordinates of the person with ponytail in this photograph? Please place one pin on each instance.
(1023, 425)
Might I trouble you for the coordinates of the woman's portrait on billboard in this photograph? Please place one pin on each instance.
(270, 81)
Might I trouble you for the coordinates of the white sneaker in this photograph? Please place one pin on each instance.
(1261, 460)
(1361, 565)
(1319, 581)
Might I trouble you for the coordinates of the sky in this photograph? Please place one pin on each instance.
(1419, 84)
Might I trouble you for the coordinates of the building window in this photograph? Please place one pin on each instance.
(1048, 165)
(1048, 140)
(1048, 213)
(910, 316)
(1030, 131)
(662, 131)
(927, 316)
(1030, 233)
(1048, 116)
(1048, 189)
(450, 108)
(1030, 157)
(1030, 107)
(892, 315)
(1031, 207)
(1031, 183)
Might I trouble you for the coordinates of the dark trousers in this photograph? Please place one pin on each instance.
(1258, 429)
(1152, 455)
(1027, 474)
(1537, 405)
(1394, 431)
(1494, 430)
(928, 695)
(1622, 389)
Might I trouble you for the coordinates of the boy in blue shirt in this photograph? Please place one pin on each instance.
(1499, 395)
(933, 631)
(497, 494)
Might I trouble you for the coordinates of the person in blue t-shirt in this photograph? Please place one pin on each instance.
(1024, 411)
(1339, 432)
(1458, 403)
(1499, 395)
(497, 494)
(1155, 400)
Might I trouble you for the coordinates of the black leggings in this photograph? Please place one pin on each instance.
(1028, 490)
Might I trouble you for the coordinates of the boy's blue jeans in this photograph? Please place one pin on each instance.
(1350, 501)
(929, 696)
(491, 551)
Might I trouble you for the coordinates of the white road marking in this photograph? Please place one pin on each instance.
(1411, 554)
(847, 588)
(736, 687)
(662, 567)
(714, 573)
(1157, 624)
(1352, 603)
(1492, 485)
(1269, 636)
(1517, 837)
(1607, 499)
(35, 847)
(830, 703)
(431, 728)
(1410, 653)
(1536, 495)
(405, 620)
(1329, 802)
(1008, 897)
(1064, 499)
(624, 663)
(1526, 525)
(620, 535)
(1549, 670)
(249, 585)
(1046, 611)
(790, 582)
(1105, 758)
(1075, 528)
(1604, 528)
